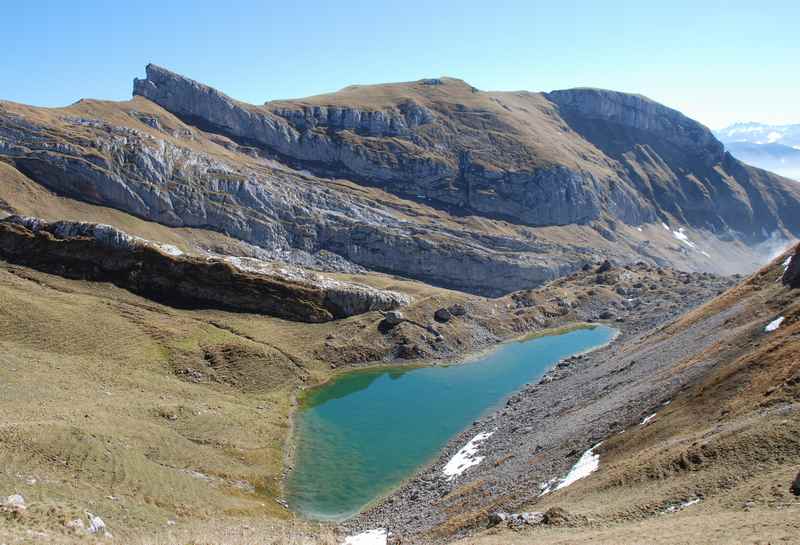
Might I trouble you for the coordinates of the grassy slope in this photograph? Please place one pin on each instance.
(92, 408)
(97, 403)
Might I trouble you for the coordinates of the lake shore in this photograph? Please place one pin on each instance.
(447, 398)
(465, 356)
(562, 416)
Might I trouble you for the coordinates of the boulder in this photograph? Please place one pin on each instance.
(791, 273)
(13, 505)
(528, 518)
(604, 267)
(442, 315)
(96, 524)
(13, 502)
(498, 517)
(606, 315)
(392, 318)
(795, 488)
(75, 525)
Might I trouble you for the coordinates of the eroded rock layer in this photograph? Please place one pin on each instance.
(100, 252)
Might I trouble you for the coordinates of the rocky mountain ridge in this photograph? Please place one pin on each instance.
(448, 144)
(433, 180)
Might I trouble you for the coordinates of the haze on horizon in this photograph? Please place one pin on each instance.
(726, 62)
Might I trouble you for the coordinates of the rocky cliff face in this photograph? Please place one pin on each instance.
(103, 253)
(465, 150)
(498, 191)
(405, 147)
(642, 114)
(679, 165)
(176, 176)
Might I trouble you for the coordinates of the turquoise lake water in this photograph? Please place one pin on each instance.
(362, 434)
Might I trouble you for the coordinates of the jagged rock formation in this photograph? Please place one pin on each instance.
(791, 269)
(100, 252)
(405, 147)
(500, 191)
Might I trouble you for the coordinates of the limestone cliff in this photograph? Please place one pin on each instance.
(557, 158)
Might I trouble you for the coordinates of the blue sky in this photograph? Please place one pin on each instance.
(718, 62)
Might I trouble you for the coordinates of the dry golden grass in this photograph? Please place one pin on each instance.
(758, 526)
(244, 533)
(96, 419)
(220, 532)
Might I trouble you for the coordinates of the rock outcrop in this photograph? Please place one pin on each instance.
(791, 269)
(102, 253)
(679, 165)
(405, 147)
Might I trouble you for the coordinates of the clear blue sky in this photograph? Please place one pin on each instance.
(716, 61)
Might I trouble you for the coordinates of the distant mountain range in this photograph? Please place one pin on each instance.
(771, 147)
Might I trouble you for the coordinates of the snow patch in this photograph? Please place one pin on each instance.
(680, 235)
(665, 226)
(466, 457)
(787, 263)
(371, 537)
(639, 229)
(774, 324)
(683, 505)
(547, 486)
(587, 464)
(647, 419)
